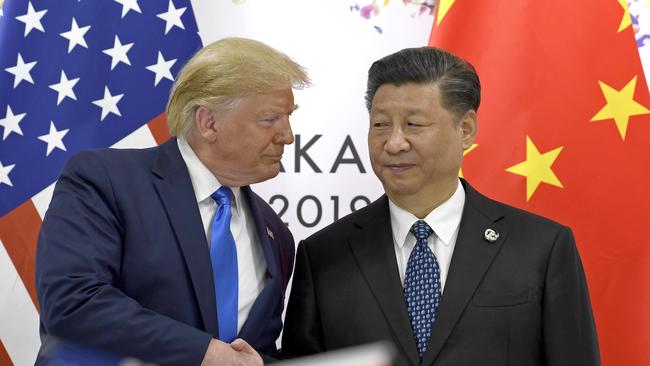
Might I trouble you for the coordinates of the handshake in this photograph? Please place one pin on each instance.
(239, 353)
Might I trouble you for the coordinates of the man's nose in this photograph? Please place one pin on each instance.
(285, 134)
(396, 142)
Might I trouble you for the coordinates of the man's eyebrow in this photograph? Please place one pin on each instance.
(277, 109)
(409, 111)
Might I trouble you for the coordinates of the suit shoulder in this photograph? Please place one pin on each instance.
(522, 216)
(111, 156)
(117, 163)
(520, 220)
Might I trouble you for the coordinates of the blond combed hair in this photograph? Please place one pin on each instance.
(222, 72)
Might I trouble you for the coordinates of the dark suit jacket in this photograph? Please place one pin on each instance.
(520, 301)
(123, 264)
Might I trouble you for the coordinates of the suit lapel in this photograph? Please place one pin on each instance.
(172, 181)
(372, 246)
(471, 259)
(267, 300)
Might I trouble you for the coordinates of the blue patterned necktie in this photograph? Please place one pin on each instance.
(422, 289)
(223, 254)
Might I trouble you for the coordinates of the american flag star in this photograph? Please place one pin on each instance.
(32, 19)
(75, 35)
(21, 71)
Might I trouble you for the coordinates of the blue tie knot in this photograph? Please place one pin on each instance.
(421, 230)
(222, 196)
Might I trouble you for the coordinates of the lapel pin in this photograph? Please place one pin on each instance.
(270, 233)
(491, 235)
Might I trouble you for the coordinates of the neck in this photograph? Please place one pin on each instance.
(420, 204)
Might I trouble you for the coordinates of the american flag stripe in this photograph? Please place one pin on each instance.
(41, 200)
(158, 128)
(18, 315)
(4, 356)
(18, 232)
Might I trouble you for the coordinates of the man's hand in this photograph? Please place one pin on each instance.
(247, 352)
(238, 353)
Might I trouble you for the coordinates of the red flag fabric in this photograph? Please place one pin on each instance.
(564, 131)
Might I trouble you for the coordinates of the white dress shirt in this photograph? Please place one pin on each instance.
(251, 264)
(444, 220)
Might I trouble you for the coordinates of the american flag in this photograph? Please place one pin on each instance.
(74, 74)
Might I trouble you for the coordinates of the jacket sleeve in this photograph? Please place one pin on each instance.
(79, 253)
(568, 322)
(303, 332)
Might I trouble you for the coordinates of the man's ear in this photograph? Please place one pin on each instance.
(205, 123)
(468, 128)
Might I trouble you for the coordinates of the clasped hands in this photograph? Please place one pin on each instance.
(237, 353)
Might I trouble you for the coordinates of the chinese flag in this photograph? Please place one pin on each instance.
(564, 131)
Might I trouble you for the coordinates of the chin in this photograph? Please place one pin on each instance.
(274, 170)
(400, 183)
(400, 189)
(268, 173)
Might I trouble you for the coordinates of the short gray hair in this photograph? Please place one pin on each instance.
(459, 84)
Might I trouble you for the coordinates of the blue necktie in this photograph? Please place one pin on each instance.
(223, 255)
(422, 289)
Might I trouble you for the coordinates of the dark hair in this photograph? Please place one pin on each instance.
(458, 82)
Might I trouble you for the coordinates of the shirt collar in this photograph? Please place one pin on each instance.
(444, 219)
(204, 182)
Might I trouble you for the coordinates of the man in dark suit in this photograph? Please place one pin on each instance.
(449, 276)
(165, 254)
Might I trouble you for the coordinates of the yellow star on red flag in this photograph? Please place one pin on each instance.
(537, 168)
(620, 106)
(627, 20)
(443, 8)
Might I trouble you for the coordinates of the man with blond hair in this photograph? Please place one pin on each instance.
(165, 254)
